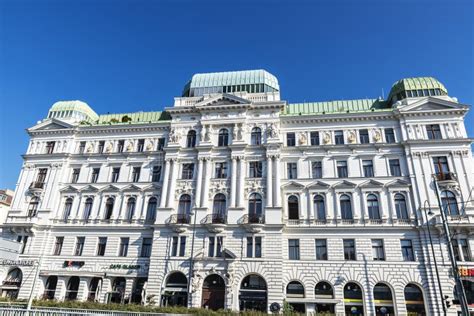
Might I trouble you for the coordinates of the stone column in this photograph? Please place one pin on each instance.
(165, 184)
(269, 182)
(197, 198)
(241, 181)
(207, 179)
(233, 188)
(277, 202)
(172, 185)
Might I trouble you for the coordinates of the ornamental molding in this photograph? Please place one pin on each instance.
(377, 135)
(184, 187)
(255, 186)
(351, 136)
(219, 186)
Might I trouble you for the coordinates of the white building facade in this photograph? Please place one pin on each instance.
(235, 199)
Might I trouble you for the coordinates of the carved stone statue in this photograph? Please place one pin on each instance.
(302, 139)
(352, 137)
(196, 283)
(271, 131)
(377, 136)
(326, 138)
(172, 136)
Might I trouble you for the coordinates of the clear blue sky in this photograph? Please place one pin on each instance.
(136, 55)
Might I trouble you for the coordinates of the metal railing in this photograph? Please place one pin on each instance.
(446, 176)
(53, 311)
(179, 219)
(36, 185)
(214, 219)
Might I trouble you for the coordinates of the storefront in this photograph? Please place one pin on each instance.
(383, 300)
(353, 299)
(414, 301)
(253, 294)
(175, 290)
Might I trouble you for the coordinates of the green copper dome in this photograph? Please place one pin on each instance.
(416, 87)
(72, 109)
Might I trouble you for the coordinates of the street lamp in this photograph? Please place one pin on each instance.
(191, 258)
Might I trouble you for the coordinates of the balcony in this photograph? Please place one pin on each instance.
(253, 223)
(36, 186)
(215, 223)
(446, 179)
(179, 222)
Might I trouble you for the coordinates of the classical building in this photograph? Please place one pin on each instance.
(233, 198)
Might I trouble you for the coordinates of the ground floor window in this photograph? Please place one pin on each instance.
(175, 292)
(383, 300)
(138, 291)
(11, 284)
(72, 288)
(414, 301)
(253, 294)
(50, 287)
(353, 299)
(95, 286)
(117, 295)
(469, 290)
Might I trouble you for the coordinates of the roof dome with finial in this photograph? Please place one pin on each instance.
(416, 87)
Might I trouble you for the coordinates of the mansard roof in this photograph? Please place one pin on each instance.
(336, 107)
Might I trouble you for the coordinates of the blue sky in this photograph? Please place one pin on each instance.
(122, 56)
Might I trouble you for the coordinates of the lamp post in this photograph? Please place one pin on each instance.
(191, 258)
(459, 288)
(434, 254)
(30, 299)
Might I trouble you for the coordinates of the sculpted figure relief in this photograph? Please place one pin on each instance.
(302, 139)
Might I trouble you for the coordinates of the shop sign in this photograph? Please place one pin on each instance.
(6, 262)
(124, 266)
(466, 272)
(75, 264)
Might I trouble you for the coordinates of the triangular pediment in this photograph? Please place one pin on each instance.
(228, 254)
(397, 184)
(223, 99)
(109, 188)
(293, 185)
(318, 185)
(68, 189)
(131, 187)
(50, 124)
(371, 184)
(152, 187)
(432, 104)
(89, 188)
(344, 185)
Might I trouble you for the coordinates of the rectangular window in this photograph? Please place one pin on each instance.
(182, 246)
(221, 170)
(317, 169)
(254, 247)
(101, 245)
(441, 165)
(82, 147)
(23, 240)
(407, 250)
(368, 167)
(364, 136)
(465, 249)
(174, 246)
(58, 246)
(290, 139)
(339, 137)
(136, 174)
(321, 249)
(41, 178)
(100, 148)
(342, 171)
(433, 131)
(314, 138)
(349, 249)
(294, 249)
(75, 175)
(389, 135)
(292, 170)
(395, 170)
(188, 171)
(258, 247)
(377, 250)
(255, 169)
(161, 144)
(215, 246)
(156, 174)
(120, 145)
(140, 145)
(146, 248)
(95, 175)
(123, 247)
(79, 246)
(50, 147)
(249, 247)
(115, 174)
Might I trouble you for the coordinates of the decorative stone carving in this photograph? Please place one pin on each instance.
(173, 136)
(326, 138)
(219, 186)
(377, 135)
(149, 145)
(254, 186)
(205, 130)
(183, 187)
(129, 146)
(108, 147)
(352, 137)
(90, 148)
(196, 283)
(302, 139)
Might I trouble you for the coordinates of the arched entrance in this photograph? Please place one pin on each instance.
(383, 300)
(294, 295)
(118, 291)
(414, 300)
(324, 292)
(11, 284)
(253, 294)
(213, 292)
(353, 299)
(94, 289)
(175, 292)
(72, 288)
(50, 287)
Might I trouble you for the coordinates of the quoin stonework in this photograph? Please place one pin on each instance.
(233, 198)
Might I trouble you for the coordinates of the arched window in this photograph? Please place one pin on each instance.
(383, 300)
(219, 209)
(72, 288)
(223, 137)
(323, 290)
(353, 299)
(373, 206)
(184, 209)
(151, 209)
(33, 207)
(67, 208)
(131, 203)
(255, 208)
(12, 283)
(175, 291)
(253, 294)
(94, 289)
(256, 136)
(118, 290)
(401, 206)
(293, 207)
(50, 287)
(109, 208)
(88, 208)
(191, 139)
(450, 204)
(346, 207)
(319, 207)
(295, 289)
(414, 300)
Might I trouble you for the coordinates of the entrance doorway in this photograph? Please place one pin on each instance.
(253, 294)
(213, 292)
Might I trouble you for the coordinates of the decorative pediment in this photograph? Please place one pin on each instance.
(344, 185)
(228, 254)
(371, 184)
(50, 124)
(397, 184)
(317, 185)
(89, 188)
(130, 187)
(109, 188)
(223, 99)
(152, 187)
(432, 104)
(68, 189)
(292, 185)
